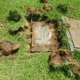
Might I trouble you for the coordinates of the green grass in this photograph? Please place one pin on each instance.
(29, 66)
(76, 55)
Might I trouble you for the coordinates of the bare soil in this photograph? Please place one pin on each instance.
(59, 56)
(7, 48)
(46, 7)
(33, 9)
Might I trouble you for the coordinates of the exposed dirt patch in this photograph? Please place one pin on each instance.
(59, 56)
(33, 10)
(46, 7)
(7, 48)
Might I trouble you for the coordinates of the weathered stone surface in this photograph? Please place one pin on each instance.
(74, 31)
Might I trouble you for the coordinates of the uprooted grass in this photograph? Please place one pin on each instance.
(76, 55)
(29, 66)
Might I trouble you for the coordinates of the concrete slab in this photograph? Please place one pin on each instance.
(74, 31)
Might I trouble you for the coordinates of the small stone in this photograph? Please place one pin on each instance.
(1, 25)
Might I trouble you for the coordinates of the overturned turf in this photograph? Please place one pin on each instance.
(7, 48)
(59, 56)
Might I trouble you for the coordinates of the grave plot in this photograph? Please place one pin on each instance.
(43, 37)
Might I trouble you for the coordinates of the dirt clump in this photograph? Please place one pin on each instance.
(32, 10)
(7, 48)
(59, 56)
(47, 7)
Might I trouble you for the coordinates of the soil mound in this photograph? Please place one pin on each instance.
(33, 10)
(58, 56)
(7, 48)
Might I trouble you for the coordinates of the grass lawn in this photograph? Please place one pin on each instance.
(29, 66)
